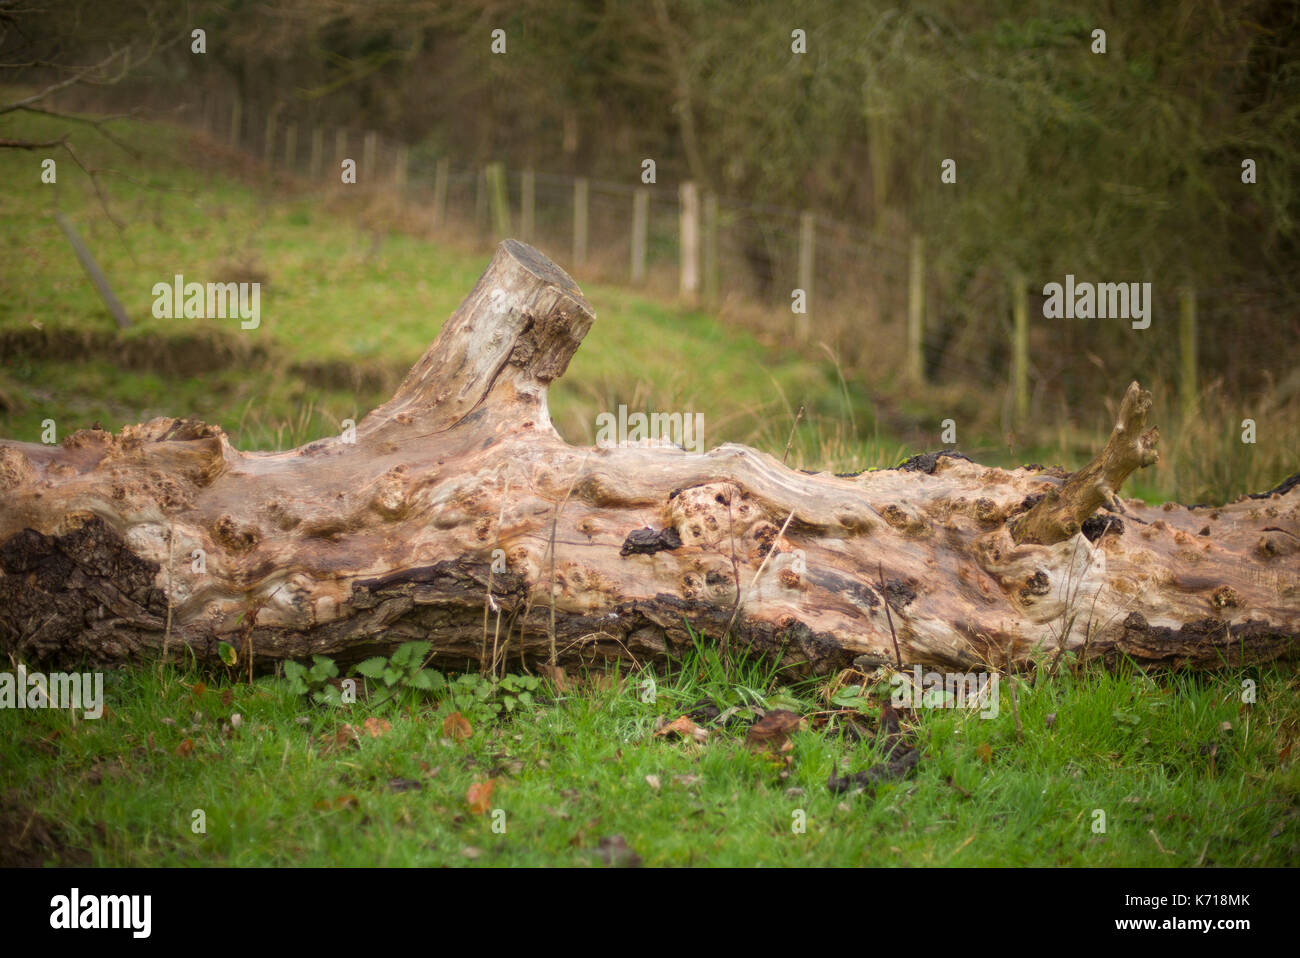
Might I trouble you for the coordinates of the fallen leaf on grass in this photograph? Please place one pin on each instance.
(984, 752)
(341, 737)
(376, 727)
(558, 677)
(653, 781)
(774, 728)
(479, 796)
(685, 728)
(186, 748)
(341, 801)
(456, 726)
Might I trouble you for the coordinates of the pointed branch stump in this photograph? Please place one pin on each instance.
(163, 540)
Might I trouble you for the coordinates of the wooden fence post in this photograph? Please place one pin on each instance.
(640, 224)
(689, 197)
(1187, 350)
(916, 312)
(480, 202)
(807, 253)
(317, 151)
(1020, 346)
(499, 199)
(710, 251)
(340, 147)
(268, 137)
(400, 164)
(368, 159)
(440, 176)
(580, 199)
(291, 146)
(236, 120)
(527, 205)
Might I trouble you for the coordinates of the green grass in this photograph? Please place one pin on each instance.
(338, 298)
(1177, 786)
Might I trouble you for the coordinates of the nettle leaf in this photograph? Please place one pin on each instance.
(391, 676)
(411, 653)
(427, 680)
(509, 703)
(372, 668)
(324, 668)
(329, 695)
(294, 674)
(526, 698)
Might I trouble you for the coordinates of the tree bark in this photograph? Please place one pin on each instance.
(163, 540)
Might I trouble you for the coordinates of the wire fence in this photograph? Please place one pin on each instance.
(800, 278)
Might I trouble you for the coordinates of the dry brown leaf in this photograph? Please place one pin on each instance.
(456, 726)
(985, 752)
(773, 729)
(685, 728)
(479, 796)
(343, 736)
(376, 727)
(186, 748)
(557, 676)
(339, 801)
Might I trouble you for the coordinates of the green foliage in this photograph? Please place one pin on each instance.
(404, 670)
(481, 699)
(314, 681)
(1212, 777)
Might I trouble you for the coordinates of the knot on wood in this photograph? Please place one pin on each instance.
(647, 541)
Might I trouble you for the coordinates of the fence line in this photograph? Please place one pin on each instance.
(713, 250)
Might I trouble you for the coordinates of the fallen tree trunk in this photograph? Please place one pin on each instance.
(459, 515)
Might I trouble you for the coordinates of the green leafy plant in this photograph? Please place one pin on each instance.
(480, 698)
(404, 670)
(314, 681)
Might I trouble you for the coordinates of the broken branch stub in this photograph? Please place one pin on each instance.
(163, 539)
(1060, 514)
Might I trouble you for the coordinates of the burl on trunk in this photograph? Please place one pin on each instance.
(460, 516)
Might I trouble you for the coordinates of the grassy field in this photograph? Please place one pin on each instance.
(1182, 770)
(1087, 768)
(346, 309)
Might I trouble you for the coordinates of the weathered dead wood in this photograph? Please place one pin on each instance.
(1060, 514)
(348, 549)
